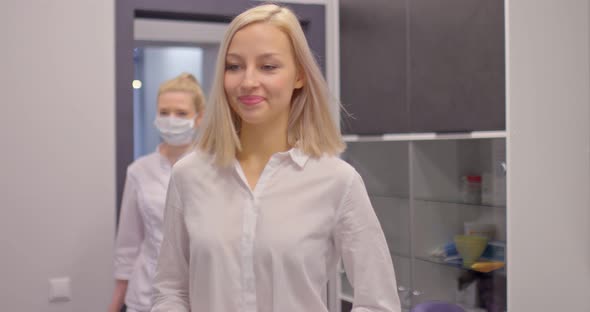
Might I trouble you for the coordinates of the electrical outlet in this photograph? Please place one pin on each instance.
(59, 289)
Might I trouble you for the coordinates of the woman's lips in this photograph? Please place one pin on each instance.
(250, 100)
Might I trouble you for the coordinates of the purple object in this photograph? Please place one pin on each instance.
(437, 306)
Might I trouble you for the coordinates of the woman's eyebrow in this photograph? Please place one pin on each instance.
(234, 55)
(270, 54)
(264, 55)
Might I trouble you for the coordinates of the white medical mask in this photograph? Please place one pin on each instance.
(174, 130)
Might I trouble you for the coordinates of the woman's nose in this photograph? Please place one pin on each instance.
(250, 79)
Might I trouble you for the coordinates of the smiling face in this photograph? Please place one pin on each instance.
(261, 74)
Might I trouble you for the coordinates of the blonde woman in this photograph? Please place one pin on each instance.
(260, 214)
(180, 110)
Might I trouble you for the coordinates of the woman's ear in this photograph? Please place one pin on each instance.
(300, 79)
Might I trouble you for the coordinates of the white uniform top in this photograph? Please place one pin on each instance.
(140, 227)
(227, 248)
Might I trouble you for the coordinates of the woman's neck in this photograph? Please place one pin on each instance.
(260, 142)
(172, 152)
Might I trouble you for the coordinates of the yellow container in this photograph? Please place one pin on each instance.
(470, 247)
(487, 267)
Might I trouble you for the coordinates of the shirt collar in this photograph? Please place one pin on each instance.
(295, 154)
(298, 156)
(164, 162)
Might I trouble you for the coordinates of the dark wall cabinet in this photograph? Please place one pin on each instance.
(373, 66)
(422, 65)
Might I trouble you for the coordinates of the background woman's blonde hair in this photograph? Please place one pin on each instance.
(311, 127)
(185, 82)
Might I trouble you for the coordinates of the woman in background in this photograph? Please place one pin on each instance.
(180, 109)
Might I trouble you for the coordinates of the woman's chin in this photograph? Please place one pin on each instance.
(252, 118)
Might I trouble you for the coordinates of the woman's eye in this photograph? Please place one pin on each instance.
(269, 67)
(164, 113)
(232, 67)
(181, 114)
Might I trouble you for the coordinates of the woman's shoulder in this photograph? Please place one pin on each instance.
(143, 163)
(195, 160)
(333, 166)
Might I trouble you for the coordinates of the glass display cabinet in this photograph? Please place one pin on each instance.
(441, 201)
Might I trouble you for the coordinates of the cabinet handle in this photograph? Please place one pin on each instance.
(416, 293)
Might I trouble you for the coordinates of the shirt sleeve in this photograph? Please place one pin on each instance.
(172, 274)
(367, 261)
(130, 234)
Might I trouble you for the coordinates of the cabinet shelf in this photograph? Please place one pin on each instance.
(456, 202)
(431, 260)
(392, 253)
(404, 137)
(392, 196)
(455, 265)
(437, 201)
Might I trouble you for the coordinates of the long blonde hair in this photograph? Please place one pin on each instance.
(185, 82)
(311, 127)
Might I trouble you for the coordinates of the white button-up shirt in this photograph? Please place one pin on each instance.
(228, 248)
(140, 227)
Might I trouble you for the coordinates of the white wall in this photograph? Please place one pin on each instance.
(57, 166)
(548, 116)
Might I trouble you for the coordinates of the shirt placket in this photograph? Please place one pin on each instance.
(250, 219)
